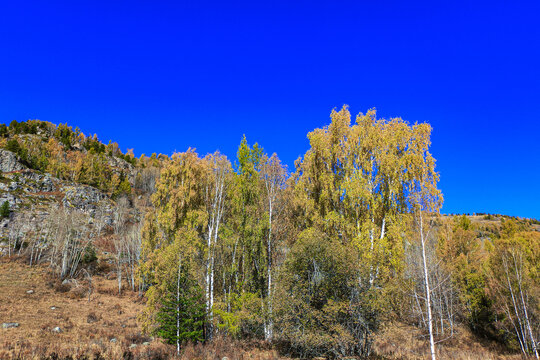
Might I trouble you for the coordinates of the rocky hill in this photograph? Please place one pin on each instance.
(32, 196)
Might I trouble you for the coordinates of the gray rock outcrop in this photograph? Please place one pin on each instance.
(9, 161)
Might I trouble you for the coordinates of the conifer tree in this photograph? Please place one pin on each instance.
(180, 317)
(4, 210)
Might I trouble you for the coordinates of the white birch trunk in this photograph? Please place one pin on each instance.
(270, 326)
(520, 334)
(428, 291)
(527, 321)
(213, 230)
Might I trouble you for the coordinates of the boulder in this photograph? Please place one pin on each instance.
(57, 330)
(70, 282)
(10, 325)
(121, 166)
(11, 199)
(82, 197)
(9, 161)
(37, 182)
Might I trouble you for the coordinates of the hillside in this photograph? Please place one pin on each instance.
(64, 319)
(107, 325)
(79, 313)
(105, 255)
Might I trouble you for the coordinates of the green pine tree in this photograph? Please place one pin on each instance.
(182, 313)
(13, 146)
(4, 210)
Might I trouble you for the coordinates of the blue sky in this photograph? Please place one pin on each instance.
(164, 76)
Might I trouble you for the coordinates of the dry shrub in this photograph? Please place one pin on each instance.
(400, 341)
(137, 338)
(62, 288)
(109, 323)
(78, 292)
(155, 351)
(51, 283)
(107, 291)
(103, 267)
(92, 318)
(68, 325)
(222, 346)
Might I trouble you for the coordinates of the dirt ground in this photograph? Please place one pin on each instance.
(29, 297)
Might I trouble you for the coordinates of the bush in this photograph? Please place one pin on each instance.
(78, 292)
(3, 130)
(4, 210)
(92, 318)
(320, 310)
(123, 188)
(13, 146)
(89, 255)
(62, 288)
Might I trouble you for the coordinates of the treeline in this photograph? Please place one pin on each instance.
(315, 260)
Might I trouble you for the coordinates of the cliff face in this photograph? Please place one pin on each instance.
(9, 162)
(33, 197)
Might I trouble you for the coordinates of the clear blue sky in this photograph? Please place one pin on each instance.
(159, 77)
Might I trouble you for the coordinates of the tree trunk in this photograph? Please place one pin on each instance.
(270, 326)
(527, 321)
(520, 334)
(119, 277)
(428, 291)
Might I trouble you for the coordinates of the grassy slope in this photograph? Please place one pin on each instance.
(115, 317)
(401, 341)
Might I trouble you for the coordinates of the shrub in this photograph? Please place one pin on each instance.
(3, 130)
(13, 146)
(62, 288)
(320, 310)
(4, 210)
(92, 318)
(89, 255)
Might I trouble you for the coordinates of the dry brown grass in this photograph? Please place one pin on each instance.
(233, 350)
(87, 327)
(114, 316)
(400, 341)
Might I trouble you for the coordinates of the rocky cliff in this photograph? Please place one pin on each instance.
(33, 196)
